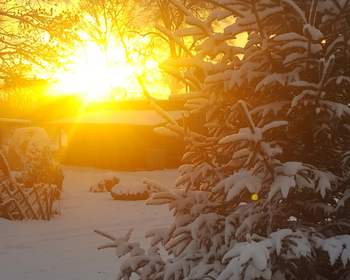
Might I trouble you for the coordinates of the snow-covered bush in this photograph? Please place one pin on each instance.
(264, 194)
(130, 191)
(98, 187)
(106, 184)
(120, 191)
(29, 153)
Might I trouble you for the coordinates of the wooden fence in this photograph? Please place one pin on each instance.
(19, 203)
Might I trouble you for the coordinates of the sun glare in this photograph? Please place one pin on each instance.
(90, 76)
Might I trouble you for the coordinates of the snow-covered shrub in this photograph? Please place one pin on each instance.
(98, 187)
(120, 191)
(130, 191)
(264, 194)
(29, 153)
(109, 180)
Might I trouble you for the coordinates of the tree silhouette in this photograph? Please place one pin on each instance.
(33, 36)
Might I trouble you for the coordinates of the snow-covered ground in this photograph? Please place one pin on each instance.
(66, 247)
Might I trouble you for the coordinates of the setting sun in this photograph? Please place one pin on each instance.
(91, 76)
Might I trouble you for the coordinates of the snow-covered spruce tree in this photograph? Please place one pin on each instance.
(265, 193)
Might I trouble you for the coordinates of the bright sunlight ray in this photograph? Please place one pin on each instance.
(91, 76)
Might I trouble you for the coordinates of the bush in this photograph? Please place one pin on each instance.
(29, 153)
(129, 191)
(107, 183)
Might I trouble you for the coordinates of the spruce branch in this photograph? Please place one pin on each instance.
(246, 115)
(313, 12)
(111, 237)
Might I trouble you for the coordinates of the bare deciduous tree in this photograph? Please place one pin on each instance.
(111, 25)
(34, 36)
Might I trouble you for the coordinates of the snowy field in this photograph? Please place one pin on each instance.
(65, 248)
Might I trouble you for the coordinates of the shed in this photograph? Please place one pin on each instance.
(120, 138)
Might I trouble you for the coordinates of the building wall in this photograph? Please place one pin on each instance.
(119, 147)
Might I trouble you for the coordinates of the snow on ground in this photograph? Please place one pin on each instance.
(66, 247)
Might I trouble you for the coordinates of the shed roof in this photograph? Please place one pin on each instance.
(130, 117)
(14, 121)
